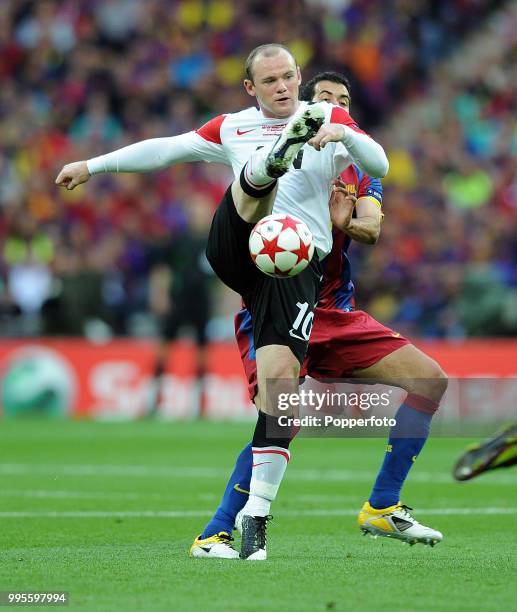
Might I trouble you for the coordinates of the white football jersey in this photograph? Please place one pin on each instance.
(231, 139)
(304, 190)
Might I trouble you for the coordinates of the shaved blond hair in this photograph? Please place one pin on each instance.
(268, 50)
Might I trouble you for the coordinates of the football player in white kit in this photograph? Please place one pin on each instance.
(284, 156)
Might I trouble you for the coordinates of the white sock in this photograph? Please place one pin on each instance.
(269, 464)
(257, 506)
(255, 169)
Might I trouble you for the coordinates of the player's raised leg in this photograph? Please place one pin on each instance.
(425, 382)
(302, 127)
(274, 306)
(254, 192)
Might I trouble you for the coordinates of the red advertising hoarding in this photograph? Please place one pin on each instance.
(114, 380)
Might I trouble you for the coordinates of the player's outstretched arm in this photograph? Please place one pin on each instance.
(73, 174)
(144, 156)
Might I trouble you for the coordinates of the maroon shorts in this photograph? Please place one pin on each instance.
(340, 343)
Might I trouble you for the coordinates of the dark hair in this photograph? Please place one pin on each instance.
(268, 50)
(307, 90)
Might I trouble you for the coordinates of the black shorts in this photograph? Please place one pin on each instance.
(282, 309)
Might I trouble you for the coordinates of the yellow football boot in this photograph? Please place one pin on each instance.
(218, 546)
(396, 522)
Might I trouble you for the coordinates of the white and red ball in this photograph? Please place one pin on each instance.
(281, 245)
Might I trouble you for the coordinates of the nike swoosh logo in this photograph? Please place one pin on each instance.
(262, 463)
(239, 490)
(242, 132)
(395, 335)
(293, 335)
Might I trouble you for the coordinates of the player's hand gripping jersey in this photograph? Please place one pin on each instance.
(337, 288)
(231, 139)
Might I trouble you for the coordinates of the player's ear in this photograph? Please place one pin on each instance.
(299, 75)
(249, 87)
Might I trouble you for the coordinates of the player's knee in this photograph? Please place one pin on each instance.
(281, 368)
(432, 381)
(277, 370)
(437, 380)
(441, 381)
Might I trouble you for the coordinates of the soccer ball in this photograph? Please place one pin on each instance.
(281, 245)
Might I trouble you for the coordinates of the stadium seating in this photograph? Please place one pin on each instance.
(83, 77)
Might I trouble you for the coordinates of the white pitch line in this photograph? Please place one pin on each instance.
(294, 474)
(106, 514)
(210, 497)
(107, 470)
(55, 494)
(49, 494)
(201, 513)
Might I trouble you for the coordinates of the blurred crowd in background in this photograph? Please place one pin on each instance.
(433, 81)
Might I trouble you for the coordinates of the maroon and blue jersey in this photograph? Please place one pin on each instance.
(342, 338)
(337, 288)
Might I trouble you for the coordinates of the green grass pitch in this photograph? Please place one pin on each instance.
(107, 512)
